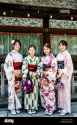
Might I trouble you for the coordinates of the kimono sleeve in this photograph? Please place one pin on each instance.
(68, 69)
(38, 66)
(8, 67)
(24, 68)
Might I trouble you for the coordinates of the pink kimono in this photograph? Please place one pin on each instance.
(47, 82)
(64, 94)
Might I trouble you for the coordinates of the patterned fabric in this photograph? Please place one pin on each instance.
(47, 82)
(64, 94)
(31, 100)
(14, 93)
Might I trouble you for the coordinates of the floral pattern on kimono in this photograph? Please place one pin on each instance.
(14, 99)
(31, 100)
(47, 83)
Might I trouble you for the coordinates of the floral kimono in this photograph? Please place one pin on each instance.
(31, 99)
(47, 81)
(64, 94)
(12, 67)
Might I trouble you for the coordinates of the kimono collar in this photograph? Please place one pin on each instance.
(15, 51)
(47, 59)
(31, 58)
(64, 56)
(65, 51)
(48, 55)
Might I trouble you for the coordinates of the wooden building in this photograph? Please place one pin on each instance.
(38, 22)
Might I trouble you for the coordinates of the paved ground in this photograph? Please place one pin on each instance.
(39, 114)
(5, 113)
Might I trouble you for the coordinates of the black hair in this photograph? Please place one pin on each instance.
(63, 42)
(17, 41)
(47, 45)
(32, 46)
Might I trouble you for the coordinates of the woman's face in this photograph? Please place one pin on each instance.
(32, 51)
(62, 47)
(46, 50)
(17, 46)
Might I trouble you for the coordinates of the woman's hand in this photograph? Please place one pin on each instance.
(17, 73)
(24, 78)
(45, 73)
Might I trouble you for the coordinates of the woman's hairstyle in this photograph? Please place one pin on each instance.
(13, 42)
(64, 43)
(47, 45)
(32, 46)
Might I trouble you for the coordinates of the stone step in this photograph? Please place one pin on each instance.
(3, 102)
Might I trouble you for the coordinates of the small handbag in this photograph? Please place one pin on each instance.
(28, 85)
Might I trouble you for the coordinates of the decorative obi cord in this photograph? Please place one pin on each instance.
(17, 65)
(32, 67)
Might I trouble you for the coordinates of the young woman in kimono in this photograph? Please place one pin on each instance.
(47, 81)
(12, 67)
(31, 99)
(65, 75)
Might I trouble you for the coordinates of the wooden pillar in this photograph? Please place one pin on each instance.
(46, 34)
(2, 81)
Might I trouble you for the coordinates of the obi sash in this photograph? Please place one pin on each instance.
(17, 65)
(46, 66)
(60, 64)
(32, 67)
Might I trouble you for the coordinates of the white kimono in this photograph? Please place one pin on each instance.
(64, 94)
(13, 100)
